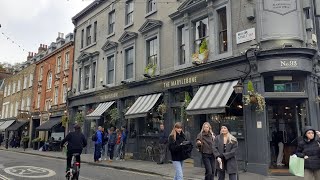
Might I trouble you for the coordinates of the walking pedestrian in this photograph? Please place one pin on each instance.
(309, 149)
(1, 139)
(103, 147)
(98, 144)
(111, 143)
(205, 140)
(163, 140)
(180, 149)
(124, 136)
(224, 149)
(118, 143)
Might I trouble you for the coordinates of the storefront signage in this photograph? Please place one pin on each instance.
(109, 96)
(246, 35)
(288, 63)
(281, 7)
(179, 82)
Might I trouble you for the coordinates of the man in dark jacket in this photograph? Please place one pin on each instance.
(309, 149)
(76, 142)
(163, 140)
(111, 143)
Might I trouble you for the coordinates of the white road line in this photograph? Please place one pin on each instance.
(3, 177)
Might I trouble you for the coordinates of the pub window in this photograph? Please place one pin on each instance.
(86, 77)
(129, 63)
(110, 64)
(152, 51)
(284, 83)
(201, 33)
(223, 35)
(181, 42)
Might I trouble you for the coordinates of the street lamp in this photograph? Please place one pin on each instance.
(238, 88)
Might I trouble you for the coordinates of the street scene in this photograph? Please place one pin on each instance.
(160, 89)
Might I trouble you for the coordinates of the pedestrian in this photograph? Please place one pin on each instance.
(224, 149)
(205, 140)
(111, 143)
(118, 143)
(124, 136)
(98, 144)
(1, 139)
(163, 141)
(103, 149)
(309, 149)
(180, 149)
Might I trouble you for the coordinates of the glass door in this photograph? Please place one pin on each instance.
(286, 120)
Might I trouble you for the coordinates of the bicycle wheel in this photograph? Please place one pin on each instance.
(156, 155)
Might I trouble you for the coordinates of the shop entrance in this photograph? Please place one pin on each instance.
(286, 120)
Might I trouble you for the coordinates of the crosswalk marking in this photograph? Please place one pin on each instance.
(3, 177)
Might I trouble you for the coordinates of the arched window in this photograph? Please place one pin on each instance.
(49, 80)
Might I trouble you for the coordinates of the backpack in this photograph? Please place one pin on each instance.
(94, 137)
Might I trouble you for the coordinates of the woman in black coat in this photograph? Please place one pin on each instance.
(309, 149)
(224, 149)
(180, 149)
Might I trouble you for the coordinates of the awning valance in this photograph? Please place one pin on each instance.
(46, 126)
(6, 124)
(142, 106)
(102, 107)
(17, 125)
(211, 99)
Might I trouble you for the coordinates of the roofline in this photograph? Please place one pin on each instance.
(45, 57)
(90, 7)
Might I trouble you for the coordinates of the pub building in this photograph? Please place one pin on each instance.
(206, 93)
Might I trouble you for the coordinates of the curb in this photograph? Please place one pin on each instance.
(101, 165)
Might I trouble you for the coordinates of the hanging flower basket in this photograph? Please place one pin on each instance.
(254, 98)
(203, 55)
(162, 109)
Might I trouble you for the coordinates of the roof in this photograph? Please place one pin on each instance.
(95, 4)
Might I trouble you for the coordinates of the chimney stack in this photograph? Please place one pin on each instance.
(30, 55)
(41, 48)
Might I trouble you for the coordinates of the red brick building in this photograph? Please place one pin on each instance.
(52, 82)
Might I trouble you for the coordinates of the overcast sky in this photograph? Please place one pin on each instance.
(30, 23)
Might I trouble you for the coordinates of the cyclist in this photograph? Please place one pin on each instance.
(76, 142)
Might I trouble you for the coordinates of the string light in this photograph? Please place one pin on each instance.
(12, 41)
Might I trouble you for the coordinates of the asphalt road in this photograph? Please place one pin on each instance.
(17, 166)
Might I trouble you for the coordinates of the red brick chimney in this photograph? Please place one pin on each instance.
(42, 48)
(30, 55)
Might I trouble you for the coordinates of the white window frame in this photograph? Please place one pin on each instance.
(9, 90)
(38, 100)
(7, 110)
(131, 46)
(64, 93)
(111, 21)
(147, 47)
(49, 80)
(114, 69)
(25, 82)
(11, 109)
(5, 91)
(31, 80)
(59, 59)
(28, 107)
(88, 35)
(17, 108)
(3, 111)
(67, 60)
(22, 105)
(41, 73)
(56, 95)
(19, 85)
(151, 11)
(86, 77)
(13, 87)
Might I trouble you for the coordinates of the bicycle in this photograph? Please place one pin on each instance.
(152, 152)
(74, 171)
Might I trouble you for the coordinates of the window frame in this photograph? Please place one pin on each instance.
(88, 35)
(129, 13)
(38, 100)
(152, 10)
(13, 87)
(86, 76)
(126, 64)
(25, 82)
(95, 26)
(19, 85)
(82, 39)
(30, 80)
(113, 69)
(111, 22)
(66, 60)
(56, 95)
(64, 93)
(93, 75)
(49, 80)
(9, 90)
(41, 73)
(220, 30)
(58, 63)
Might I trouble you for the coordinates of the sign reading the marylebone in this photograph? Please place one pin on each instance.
(281, 7)
(288, 63)
(180, 82)
(110, 96)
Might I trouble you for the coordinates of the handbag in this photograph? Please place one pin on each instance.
(296, 166)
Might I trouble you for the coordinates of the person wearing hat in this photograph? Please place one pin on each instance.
(309, 149)
(76, 142)
(224, 150)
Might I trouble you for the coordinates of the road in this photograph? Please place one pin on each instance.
(17, 166)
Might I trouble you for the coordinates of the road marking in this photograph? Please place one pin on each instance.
(29, 171)
(3, 177)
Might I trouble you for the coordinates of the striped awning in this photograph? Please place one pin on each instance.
(102, 107)
(142, 106)
(211, 99)
(6, 124)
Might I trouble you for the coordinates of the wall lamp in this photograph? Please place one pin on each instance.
(147, 75)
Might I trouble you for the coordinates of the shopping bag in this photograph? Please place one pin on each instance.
(296, 166)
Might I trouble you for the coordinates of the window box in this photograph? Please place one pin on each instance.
(150, 69)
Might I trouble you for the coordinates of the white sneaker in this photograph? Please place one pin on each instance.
(280, 164)
(105, 159)
(117, 159)
(100, 159)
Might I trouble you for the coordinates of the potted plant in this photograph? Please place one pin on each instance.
(150, 69)
(25, 141)
(162, 109)
(64, 121)
(203, 54)
(254, 98)
(114, 114)
(79, 118)
(35, 143)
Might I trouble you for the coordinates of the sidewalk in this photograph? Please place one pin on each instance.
(190, 173)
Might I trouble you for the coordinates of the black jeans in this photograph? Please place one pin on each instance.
(123, 150)
(97, 151)
(209, 164)
(69, 157)
(222, 174)
(111, 150)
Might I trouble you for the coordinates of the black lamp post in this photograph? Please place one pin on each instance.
(238, 88)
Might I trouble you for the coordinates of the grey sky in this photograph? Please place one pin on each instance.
(30, 23)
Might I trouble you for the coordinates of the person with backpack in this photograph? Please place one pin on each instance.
(205, 140)
(97, 137)
(111, 143)
(180, 149)
(124, 136)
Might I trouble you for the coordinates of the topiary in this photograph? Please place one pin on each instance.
(203, 46)
(250, 86)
